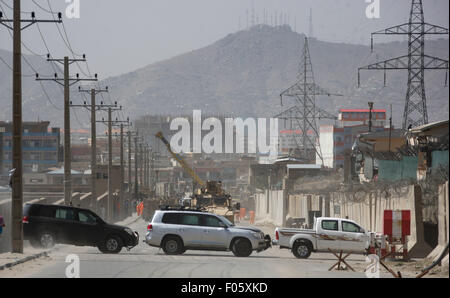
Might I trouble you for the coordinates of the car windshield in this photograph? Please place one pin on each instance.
(226, 221)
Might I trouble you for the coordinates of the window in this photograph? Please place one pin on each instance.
(67, 214)
(86, 217)
(190, 219)
(46, 212)
(350, 227)
(331, 225)
(211, 221)
(170, 218)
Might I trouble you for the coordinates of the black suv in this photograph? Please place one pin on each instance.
(46, 225)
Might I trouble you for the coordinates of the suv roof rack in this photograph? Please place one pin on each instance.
(181, 208)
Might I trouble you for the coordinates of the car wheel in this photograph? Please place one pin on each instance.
(46, 240)
(242, 247)
(101, 248)
(173, 246)
(112, 245)
(301, 250)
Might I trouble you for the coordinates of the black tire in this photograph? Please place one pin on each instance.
(173, 245)
(46, 239)
(302, 249)
(242, 248)
(101, 248)
(112, 245)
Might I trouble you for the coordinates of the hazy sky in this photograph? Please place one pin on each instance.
(119, 36)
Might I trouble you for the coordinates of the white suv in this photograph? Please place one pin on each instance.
(176, 231)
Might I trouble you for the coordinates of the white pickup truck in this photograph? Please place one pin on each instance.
(328, 233)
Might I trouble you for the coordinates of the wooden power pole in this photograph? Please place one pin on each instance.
(17, 158)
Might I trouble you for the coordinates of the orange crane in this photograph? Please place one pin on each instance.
(210, 195)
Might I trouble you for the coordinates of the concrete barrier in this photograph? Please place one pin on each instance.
(86, 200)
(365, 208)
(59, 202)
(443, 219)
(101, 205)
(76, 199)
(271, 207)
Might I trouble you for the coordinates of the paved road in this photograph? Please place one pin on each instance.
(145, 261)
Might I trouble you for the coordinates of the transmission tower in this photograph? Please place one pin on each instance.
(305, 113)
(416, 62)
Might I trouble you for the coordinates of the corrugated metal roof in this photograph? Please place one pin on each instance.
(428, 126)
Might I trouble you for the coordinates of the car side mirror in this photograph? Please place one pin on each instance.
(223, 225)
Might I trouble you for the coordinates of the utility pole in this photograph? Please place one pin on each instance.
(93, 109)
(370, 116)
(129, 166)
(141, 165)
(152, 172)
(17, 182)
(110, 187)
(136, 182)
(136, 161)
(416, 62)
(390, 130)
(109, 122)
(147, 153)
(147, 179)
(67, 82)
(144, 166)
(130, 134)
(122, 161)
(122, 170)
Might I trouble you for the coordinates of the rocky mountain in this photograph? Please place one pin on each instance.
(243, 74)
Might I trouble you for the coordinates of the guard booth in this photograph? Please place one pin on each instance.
(396, 230)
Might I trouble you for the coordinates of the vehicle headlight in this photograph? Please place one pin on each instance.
(129, 231)
(256, 235)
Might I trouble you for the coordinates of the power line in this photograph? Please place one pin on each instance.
(43, 8)
(69, 46)
(67, 41)
(416, 62)
(56, 70)
(48, 97)
(15, 25)
(10, 7)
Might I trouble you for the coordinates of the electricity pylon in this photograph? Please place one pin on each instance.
(416, 62)
(305, 113)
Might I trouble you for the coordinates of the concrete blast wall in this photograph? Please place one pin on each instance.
(367, 209)
(443, 220)
(369, 212)
(270, 207)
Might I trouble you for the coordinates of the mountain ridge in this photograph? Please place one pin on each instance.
(243, 74)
